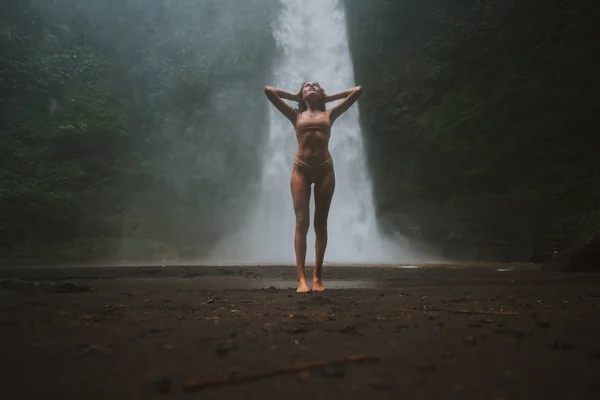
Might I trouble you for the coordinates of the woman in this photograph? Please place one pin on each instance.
(312, 165)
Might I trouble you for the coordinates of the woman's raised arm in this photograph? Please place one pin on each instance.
(275, 96)
(350, 96)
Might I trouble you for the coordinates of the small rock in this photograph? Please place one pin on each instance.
(321, 300)
(506, 376)
(150, 271)
(556, 345)
(521, 334)
(296, 329)
(542, 323)
(298, 316)
(163, 385)
(71, 287)
(92, 348)
(350, 329)
(447, 355)
(333, 371)
(379, 384)
(304, 374)
(503, 331)
(469, 340)
(223, 348)
(380, 318)
(426, 368)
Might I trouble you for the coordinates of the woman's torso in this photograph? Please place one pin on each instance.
(313, 131)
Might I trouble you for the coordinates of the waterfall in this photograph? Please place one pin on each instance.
(311, 37)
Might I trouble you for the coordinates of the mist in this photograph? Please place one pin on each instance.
(189, 82)
(312, 44)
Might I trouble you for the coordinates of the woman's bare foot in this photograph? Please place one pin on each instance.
(302, 286)
(318, 285)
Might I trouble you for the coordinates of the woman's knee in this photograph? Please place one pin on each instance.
(320, 227)
(302, 223)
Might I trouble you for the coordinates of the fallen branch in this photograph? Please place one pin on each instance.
(237, 377)
(485, 312)
(456, 311)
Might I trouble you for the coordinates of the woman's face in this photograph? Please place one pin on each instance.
(312, 89)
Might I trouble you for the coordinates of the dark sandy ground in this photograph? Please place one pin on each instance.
(434, 333)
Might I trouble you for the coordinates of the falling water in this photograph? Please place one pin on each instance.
(311, 35)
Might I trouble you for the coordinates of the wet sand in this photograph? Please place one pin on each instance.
(485, 332)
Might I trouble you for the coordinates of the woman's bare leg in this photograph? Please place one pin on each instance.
(301, 198)
(324, 189)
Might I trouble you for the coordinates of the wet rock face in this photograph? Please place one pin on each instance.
(583, 257)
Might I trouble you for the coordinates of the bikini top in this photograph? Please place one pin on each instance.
(321, 124)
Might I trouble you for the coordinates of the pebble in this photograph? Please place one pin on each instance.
(163, 385)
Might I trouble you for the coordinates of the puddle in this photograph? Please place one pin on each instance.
(208, 282)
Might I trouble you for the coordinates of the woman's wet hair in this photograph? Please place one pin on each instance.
(302, 104)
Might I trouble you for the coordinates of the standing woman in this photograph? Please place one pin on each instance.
(312, 165)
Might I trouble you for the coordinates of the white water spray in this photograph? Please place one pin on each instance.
(311, 35)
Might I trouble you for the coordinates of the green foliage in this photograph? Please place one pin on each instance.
(116, 132)
(481, 115)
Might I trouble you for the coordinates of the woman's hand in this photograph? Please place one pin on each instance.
(298, 95)
(349, 97)
(341, 95)
(275, 96)
(283, 94)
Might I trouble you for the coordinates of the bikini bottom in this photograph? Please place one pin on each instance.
(301, 163)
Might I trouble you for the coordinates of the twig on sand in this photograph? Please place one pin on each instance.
(237, 377)
(458, 311)
(485, 312)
